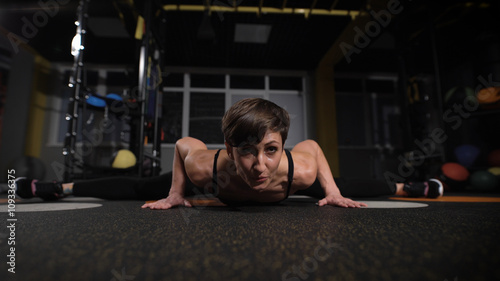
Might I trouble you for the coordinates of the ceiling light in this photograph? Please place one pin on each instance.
(252, 33)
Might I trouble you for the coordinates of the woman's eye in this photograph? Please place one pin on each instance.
(245, 150)
(272, 149)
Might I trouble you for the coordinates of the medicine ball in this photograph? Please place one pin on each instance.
(495, 171)
(453, 176)
(483, 181)
(489, 97)
(466, 154)
(123, 159)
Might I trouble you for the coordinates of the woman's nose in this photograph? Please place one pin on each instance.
(259, 164)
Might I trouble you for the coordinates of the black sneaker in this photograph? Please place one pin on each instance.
(430, 189)
(28, 188)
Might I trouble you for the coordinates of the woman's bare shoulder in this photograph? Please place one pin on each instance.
(305, 169)
(199, 166)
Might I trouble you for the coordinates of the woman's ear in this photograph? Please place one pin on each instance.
(229, 150)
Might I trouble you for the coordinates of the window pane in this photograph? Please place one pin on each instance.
(247, 82)
(91, 77)
(117, 81)
(174, 80)
(206, 111)
(172, 116)
(351, 123)
(294, 105)
(237, 98)
(388, 127)
(380, 86)
(115, 78)
(285, 83)
(348, 85)
(208, 81)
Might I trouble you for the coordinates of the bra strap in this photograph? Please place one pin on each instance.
(290, 171)
(215, 185)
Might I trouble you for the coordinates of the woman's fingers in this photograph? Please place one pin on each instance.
(165, 204)
(344, 202)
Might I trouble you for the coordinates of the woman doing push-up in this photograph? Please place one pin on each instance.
(254, 168)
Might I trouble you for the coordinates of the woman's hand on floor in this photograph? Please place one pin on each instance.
(167, 203)
(340, 201)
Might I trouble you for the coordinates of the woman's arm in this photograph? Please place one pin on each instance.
(184, 148)
(325, 177)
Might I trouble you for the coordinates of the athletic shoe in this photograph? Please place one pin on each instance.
(430, 189)
(28, 188)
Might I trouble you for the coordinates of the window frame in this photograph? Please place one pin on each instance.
(229, 92)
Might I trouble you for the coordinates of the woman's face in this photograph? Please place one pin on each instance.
(257, 164)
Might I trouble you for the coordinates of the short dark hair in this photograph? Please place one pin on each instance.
(247, 121)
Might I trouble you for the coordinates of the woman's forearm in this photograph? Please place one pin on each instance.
(325, 175)
(178, 171)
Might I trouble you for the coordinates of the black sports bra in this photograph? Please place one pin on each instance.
(215, 185)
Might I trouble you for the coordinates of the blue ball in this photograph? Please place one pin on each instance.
(466, 154)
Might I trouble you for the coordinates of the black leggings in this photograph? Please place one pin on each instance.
(154, 188)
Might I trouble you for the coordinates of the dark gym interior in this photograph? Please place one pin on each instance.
(390, 89)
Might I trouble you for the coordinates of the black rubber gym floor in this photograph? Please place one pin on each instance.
(295, 240)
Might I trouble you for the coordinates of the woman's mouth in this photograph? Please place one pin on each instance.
(261, 179)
